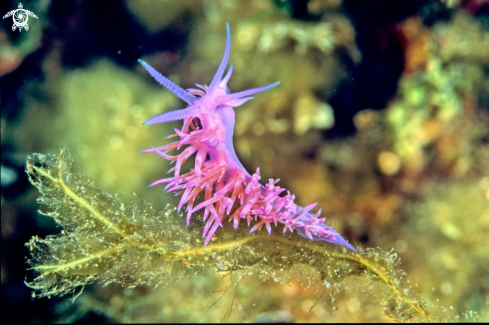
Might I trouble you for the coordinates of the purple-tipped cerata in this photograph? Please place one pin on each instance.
(228, 191)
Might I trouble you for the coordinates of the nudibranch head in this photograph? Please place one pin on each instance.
(216, 95)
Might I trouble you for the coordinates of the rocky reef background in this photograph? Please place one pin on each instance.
(382, 116)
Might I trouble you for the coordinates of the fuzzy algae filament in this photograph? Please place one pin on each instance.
(133, 245)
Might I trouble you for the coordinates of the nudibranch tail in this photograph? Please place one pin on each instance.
(225, 188)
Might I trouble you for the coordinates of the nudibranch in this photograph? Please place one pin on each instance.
(227, 189)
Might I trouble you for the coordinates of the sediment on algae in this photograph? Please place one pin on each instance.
(110, 241)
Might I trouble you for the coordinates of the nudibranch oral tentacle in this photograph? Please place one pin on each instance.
(228, 190)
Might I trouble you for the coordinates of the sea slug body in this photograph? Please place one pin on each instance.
(228, 190)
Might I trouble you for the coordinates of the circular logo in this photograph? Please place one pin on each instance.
(20, 18)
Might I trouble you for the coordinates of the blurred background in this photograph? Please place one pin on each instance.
(381, 117)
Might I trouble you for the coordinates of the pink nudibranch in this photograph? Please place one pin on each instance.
(229, 191)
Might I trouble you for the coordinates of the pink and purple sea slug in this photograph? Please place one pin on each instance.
(228, 191)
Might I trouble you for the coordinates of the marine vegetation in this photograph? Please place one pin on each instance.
(131, 244)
